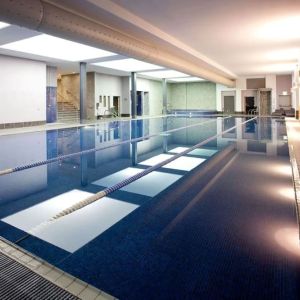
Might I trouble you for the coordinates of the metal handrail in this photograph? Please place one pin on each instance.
(68, 100)
(76, 103)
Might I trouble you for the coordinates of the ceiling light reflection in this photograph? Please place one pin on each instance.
(288, 238)
(284, 170)
(288, 193)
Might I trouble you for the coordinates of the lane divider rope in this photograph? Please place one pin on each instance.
(65, 156)
(108, 190)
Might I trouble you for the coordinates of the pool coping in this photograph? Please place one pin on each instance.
(61, 125)
(294, 147)
(66, 281)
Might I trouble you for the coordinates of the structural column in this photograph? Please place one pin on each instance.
(133, 95)
(83, 98)
(165, 96)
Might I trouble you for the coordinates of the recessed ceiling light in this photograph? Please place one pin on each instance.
(283, 29)
(128, 65)
(284, 55)
(165, 74)
(186, 79)
(3, 25)
(54, 47)
(273, 68)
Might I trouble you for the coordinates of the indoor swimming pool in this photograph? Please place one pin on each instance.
(132, 242)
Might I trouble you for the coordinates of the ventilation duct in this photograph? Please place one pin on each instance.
(46, 17)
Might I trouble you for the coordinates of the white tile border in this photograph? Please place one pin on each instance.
(73, 285)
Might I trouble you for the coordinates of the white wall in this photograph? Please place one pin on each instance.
(108, 85)
(294, 90)
(22, 90)
(271, 84)
(241, 87)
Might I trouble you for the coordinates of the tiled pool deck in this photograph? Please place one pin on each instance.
(74, 286)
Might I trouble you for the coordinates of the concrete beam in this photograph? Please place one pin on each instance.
(66, 23)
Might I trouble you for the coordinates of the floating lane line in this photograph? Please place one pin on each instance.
(125, 182)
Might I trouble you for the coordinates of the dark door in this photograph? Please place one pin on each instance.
(146, 104)
(229, 104)
(249, 101)
(116, 104)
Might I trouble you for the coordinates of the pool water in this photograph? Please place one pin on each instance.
(108, 243)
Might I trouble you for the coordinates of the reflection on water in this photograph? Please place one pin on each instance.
(227, 124)
(35, 193)
(264, 135)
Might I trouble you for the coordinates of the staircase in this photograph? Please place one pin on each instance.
(67, 113)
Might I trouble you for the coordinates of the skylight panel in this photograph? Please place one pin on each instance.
(187, 79)
(128, 65)
(54, 47)
(165, 74)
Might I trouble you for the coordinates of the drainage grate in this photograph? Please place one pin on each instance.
(19, 282)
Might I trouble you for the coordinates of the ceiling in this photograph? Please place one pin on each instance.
(230, 37)
(247, 37)
(65, 55)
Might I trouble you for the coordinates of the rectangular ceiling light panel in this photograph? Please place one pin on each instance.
(165, 74)
(187, 79)
(128, 65)
(54, 47)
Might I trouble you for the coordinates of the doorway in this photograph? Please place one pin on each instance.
(116, 104)
(146, 104)
(229, 104)
(227, 124)
(249, 104)
(139, 106)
